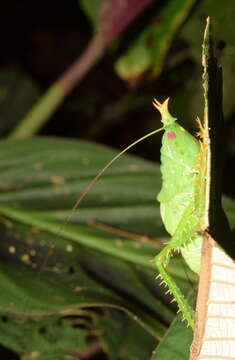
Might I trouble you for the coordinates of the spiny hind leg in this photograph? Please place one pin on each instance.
(161, 261)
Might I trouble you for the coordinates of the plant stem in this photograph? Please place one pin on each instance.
(50, 101)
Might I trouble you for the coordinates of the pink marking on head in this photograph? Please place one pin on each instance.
(171, 135)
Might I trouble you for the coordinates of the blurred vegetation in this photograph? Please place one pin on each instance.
(95, 297)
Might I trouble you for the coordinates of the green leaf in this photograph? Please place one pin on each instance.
(125, 339)
(55, 337)
(88, 267)
(176, 342)
(214, 121)
(149, 49)
(92, 10)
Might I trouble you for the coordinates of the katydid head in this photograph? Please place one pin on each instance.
(167, 118)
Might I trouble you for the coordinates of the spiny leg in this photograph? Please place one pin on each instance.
(161, 261)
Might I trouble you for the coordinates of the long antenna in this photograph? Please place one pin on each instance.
(100, 173)
(92, 183)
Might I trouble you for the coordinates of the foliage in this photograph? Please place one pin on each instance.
(88, 289)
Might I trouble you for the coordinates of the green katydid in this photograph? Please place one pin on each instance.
(183, 191)
(185, 224)
(182, 199)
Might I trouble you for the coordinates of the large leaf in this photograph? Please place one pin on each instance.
(88, 267)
